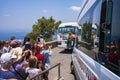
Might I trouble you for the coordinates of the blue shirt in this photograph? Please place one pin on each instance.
(46, 55)
(7, 75)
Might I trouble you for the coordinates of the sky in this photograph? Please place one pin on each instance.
(20, 15)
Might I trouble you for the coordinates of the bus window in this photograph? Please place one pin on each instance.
(66, 30)
(63, 30)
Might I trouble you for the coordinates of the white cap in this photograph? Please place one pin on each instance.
(7, 57)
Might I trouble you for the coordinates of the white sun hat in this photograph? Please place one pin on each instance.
(7, 57)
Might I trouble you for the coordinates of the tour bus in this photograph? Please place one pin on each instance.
(105, 15)
(63, 30)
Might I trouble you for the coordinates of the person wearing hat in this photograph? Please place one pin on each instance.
(7, 60)
(13, 43)
(16, 49)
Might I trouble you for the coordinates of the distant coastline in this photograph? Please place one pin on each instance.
(7, 35)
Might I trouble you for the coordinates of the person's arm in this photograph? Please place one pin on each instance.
(23, 56)
(23, 48)
(0, 52)
(50, 50)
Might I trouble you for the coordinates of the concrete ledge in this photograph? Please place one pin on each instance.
(53, 43)
(86, 45)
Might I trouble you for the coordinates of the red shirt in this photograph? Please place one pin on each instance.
(39, 56)
(112, 56)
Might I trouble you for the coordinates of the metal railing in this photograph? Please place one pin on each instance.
(38, 75)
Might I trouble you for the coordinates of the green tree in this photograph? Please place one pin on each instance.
(42, 26)
(86, 32)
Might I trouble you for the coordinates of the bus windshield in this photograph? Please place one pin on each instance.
(66, 29)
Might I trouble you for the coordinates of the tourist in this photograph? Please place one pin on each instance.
(7, 60)
(39, 57)
(1, 47)
(32, 69)
(27, 45)
(16, 49)
(6, 47)
(70, 40)
(40, 39)
(46, 53)
(12, 38)
(20, 63)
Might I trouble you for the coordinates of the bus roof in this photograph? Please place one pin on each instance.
(85, 7)
(70, 24)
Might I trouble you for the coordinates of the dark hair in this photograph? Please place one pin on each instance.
(1, 44)
(12, 38)
(28, 56)
(26, 39)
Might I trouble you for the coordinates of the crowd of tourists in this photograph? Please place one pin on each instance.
(24, 62)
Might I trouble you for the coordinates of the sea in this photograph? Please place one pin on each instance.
(18, 35)
(7, 35)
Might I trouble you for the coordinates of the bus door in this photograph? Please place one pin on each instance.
(105, 29)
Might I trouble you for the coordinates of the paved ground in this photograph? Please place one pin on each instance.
(64, 58)
(59, 56)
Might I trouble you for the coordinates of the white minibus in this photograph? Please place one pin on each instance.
(64, 28)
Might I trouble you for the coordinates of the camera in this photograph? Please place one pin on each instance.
(38, 39)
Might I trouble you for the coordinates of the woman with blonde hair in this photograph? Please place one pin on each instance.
(69, 40)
